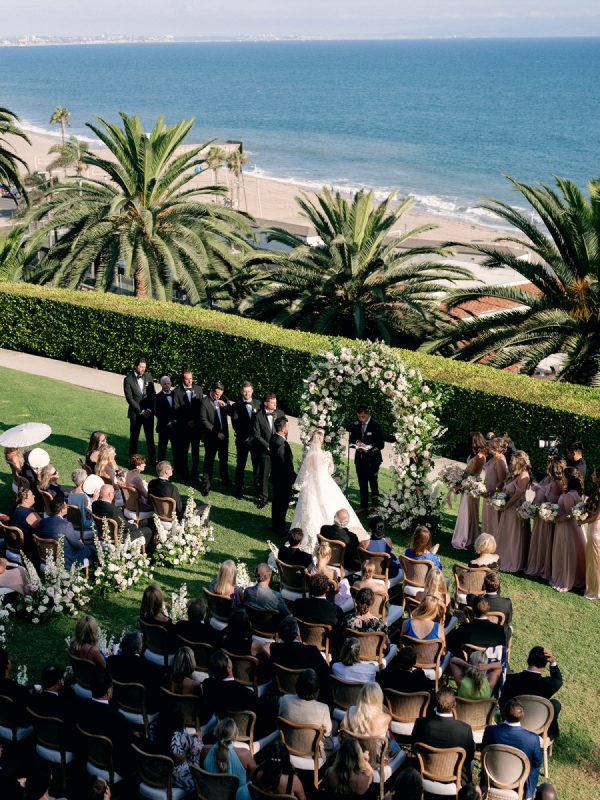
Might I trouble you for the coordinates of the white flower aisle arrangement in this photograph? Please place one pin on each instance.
(119, 565)
(179, 604)
(451, 475)
(499, 499)
(473, 487)
(527, 510)
(579, 511)
(548, 511)
(5, 624)
(243, 579)
(184, 542)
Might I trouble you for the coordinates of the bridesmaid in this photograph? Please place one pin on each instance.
(539, 563)
(568, 550)
(495, 475)
(592, 550)
(466, 529)
(513, 533)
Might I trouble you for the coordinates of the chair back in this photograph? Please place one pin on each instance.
(45, 547)
(476, 713)
(156, 639)
(468, 580)
(264, 621)
(539, 714)
(132, 501)
(338, 553)
(318, 634)
(155, 771)
(407, 707)
(496, 616)
(415, 571)
(202, 652)
(377, 607)
(410, 603)
(440, 764)
(245, 670)
(256, 793)
(14, 540)
(49, 732)
(83, 670)
(47, 499)
(429, 653)
(75, 518)
(8, 715)
(99, 752)
(302, 740)
(245, 721)
(220, 607)
(131, 697)
(113, 527)
(285, 679)
(22, 483)
(381, 561)
(345, 693)
(189, 705)
(505, 768)
(164, 507)
(375, 746)
(293, 578)
(210, 786)
(467, 649)
(372, 644)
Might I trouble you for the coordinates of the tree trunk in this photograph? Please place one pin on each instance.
(139, 284)
(62, 125)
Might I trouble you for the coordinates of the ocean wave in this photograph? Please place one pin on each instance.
(29, 127)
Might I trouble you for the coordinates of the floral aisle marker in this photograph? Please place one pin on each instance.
(179, 604)
(5, 624)
(324, 401)
(119, 565)
(186, 541)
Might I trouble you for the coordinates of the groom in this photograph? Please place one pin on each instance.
(282, 474)
(365, 431)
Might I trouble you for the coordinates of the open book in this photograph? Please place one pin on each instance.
(364, 447)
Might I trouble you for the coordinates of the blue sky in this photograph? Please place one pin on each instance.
(303, 17)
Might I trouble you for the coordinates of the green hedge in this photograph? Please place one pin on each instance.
(108, 331)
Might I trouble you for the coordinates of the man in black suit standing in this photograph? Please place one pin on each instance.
(138, 388)
(283, 475)
(243, 412)
(367, 436)
(162, 486)
(186, 401)
(215, 435)
(533, 681)
(264, 428)
(166, 418)
(338, 532)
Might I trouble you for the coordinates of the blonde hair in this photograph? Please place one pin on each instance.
(323, 551)
(152, 601)
(435, 584)
(518, 464)
(485, 543)
(226, 577)
(86, 632)
(477, 675)
(368, 569)
(428, 608)
(184, 664)
(369, 703)
(106, 457)
(319, 434)
(46, 473)
(226, 733)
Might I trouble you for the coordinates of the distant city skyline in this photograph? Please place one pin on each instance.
(333, 18)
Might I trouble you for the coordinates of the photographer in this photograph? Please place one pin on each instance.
(575, 457)
(533, 681)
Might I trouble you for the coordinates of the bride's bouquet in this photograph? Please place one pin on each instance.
(452, 475)
(548, 511)
(579, 512)
(498, 500)
(473, 486)
(527, 510)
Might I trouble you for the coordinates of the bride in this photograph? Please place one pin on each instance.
(320, 497)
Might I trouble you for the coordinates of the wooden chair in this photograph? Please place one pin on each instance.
(51, 742)
(45, 548)
(47, 499)
(303, 744)
(220, 608)
(468, 580)
(246, 723)
(264, 621)
(14, 541)
(410, 603)
(256, 793)
(285, 679)
(210, 786)
(130, 699)
(98, 752)
(75, 518)
(131, 509)
(476, 713)
(317, 634)
(338, 553)
(379, 607)
(376, 747)
(429, 656)
(345, 694)
(405, 708)
(382, 563)
(10, 730)
(505, 769)
(155, 774)
(372, 646)
(245, 672)
(496, 616)
(202, 653)
(440, 768)
(293, 581)
(84, 672)
(414, 571)
(22, 483)
(539, 715)
(157, 643)
(113, 527)
(190, 706)
(164, 508)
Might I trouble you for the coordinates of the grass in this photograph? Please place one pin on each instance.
(565, 623)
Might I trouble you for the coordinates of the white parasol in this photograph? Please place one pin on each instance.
(25, 435)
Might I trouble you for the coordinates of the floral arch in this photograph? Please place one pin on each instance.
(324, 404)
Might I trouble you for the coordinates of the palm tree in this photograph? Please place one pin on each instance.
(559, 310)
(69, 154)
(141, 217)
(235, 162)
(9, 161)
(215, 158)
(61, 115)
(12, 255)
(360, 280)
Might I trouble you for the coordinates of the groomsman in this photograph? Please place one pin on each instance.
(166, 418)
(366, 431)
(215, 435)
(138, 388)
(283, 475)
(243, 412)
(264, 428)
(186, 401)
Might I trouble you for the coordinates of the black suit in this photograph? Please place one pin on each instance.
(225, 695)
(446, 732)
(212, 424)
(321, 612)
(367, 463)
(161, 487)
(294, 557)
(63, 705)
(198, 632)
(101, 508)
(497, 603)
(188, 434)
(296, 655)
(21, 697)
(139, 401)
(480, 632)
(283, 476)
(133, 668)
(402, 680)
(526, 682)
(336, 533)
(262, 439)
(242, 420)
(103, 720)
(166, 423)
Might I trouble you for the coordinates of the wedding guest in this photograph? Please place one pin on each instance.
(533, 681)
(84, 642)
(263, 430)
(378, 543)
(342, 598)
(186, 401)
(14, 458)
(13, 577)
(166, 418)
(513, 533)
(97, 440)
(129, 666)
(48, 481)
(182, 673)
(20, 695)
(369, 717)
(592, 550)
(194, 628)
(476, 677)
(291, 552)
(421, 547)
(367, 433)
(225, 583)
(276, 774)
(303, 707)
(339, 532)
(495, 470)
(224, 757)
(424, 624)
(485, 547)
(575, 458)
(496, 601)
(152, 608)
(539, 561)
(292, 653)
(105, 507)
(350, 668)
(186, 746)
(481, 632)
(317, 608)
(402, 675)
(362, 619)
(56, 526)
(162, 486)
(261, 595)
(467, 519)
(139, 391)
(109, 471)
(238, 639)
(77, 497)
(243, 415)
(350, 775)
(367, 570)
(27, 520)
(435, 586)
(137, 465)
(33, 461)
(282, 475)
(568, 549)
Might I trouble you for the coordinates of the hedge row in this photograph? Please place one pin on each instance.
(108, 331)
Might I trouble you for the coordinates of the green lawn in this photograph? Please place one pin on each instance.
(565, 623)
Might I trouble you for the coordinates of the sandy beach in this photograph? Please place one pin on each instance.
(273, 201)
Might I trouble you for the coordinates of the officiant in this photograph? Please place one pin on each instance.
(366, 438)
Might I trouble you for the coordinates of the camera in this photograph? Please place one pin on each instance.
(551, 444)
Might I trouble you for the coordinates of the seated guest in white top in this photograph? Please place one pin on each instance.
(350, 668)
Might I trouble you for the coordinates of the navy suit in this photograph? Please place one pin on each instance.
(74, 549)
(527, 742)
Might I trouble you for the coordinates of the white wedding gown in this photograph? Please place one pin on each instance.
(320, 498)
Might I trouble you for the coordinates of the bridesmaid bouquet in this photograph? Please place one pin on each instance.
(472, 486)
(548, 511)
(527, 510)
(579, 512)
(452, 475)
(499, 499)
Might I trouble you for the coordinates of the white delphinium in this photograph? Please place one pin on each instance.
(243, 578)
(179, 603)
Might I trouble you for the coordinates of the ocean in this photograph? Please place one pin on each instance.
(440, 120)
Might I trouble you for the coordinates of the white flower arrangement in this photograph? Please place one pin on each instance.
(579, 511)
(334, 376)
(5, 624)
(22, 677)
(273, 553)
(473, 487)
(61, 591)
(451, 475)
(179, 604)
(184, 542)
(108, 643)
(243, 579)
(548, 511)
(527, 510)
(498, 500)
(119, 565)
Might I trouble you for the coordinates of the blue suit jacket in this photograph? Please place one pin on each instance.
(74, 549)
(526, 741)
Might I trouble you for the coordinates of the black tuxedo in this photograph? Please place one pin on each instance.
(138, 402)
(187, 414)
(497, 603)
(160, 487)
(294, 557)
(297, 655)
(103, 720)
(213, 423)
(526, 682)
(242, 420)
(262, 440)
(198, 632)
(283, 476)
(480, 632)
(367, 463)
(336, 533)
(446, 732)
(63, 705)
(166, 423)
(101, 508)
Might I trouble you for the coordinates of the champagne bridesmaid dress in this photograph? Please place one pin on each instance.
(592, 561)
(539, 561)
(568, 549)
(490, 517)
(513, 536)
(466, 529)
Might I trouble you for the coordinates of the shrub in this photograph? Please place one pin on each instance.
(109, 331)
